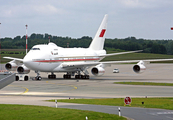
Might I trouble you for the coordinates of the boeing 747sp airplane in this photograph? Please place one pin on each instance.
(73, 61)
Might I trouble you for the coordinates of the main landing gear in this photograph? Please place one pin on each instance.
(52, 76)
(67, 76)
(79, 76)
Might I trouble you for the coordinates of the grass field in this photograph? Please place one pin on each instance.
(24, 112)
(17, 53)
(145, 83)
(162, 103)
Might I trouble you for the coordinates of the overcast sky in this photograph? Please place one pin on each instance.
(148, 19)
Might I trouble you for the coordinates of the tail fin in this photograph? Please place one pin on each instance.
(99, 39)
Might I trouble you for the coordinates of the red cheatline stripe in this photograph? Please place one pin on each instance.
(67, 60)
(102, 32)
(3, 70)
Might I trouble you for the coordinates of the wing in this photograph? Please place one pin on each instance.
(88, 64)
(120, 53)
(133, 61)
(103, 55)
(11, 58)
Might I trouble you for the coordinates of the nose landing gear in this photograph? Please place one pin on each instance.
(38, 77)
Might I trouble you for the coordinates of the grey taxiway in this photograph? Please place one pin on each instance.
(35, 92)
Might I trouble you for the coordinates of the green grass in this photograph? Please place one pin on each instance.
(161, 103)
(24, 112)
(145, 83)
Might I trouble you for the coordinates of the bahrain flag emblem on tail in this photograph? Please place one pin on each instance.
(102, 32)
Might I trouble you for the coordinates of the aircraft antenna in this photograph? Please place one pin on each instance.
(26, 39)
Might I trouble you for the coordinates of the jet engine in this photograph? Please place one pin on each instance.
(139, 67)
(11, 66)
(97, 71)
(23, 69)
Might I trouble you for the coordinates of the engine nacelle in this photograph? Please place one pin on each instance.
(97, 71)
(139, 67)
(23, 69)
(11, 66)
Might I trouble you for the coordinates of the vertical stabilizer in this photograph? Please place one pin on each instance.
(99, 39)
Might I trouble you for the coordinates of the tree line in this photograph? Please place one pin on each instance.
(128, 44)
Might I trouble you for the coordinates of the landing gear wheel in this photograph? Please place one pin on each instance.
(65, 76)
(26, 78)
(87, 77)
(81, 76)
(78, 76)
(17, 78)
(38, 78)
(52, 76)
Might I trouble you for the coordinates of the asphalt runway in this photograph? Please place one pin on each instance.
(34, 92)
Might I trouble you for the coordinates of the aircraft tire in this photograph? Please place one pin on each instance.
(76, 76)
(66, 76)
(17, 78)
(87, 77)
(26, 78)
(83, 77)
(54, 76)
(38, 78)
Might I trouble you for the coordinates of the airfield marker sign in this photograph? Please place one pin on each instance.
(127, 101)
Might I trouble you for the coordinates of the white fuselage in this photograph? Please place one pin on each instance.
(49, 58)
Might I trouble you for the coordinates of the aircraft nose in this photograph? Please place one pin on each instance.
(26, 61)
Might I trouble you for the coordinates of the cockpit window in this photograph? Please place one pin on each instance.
(35, 48)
